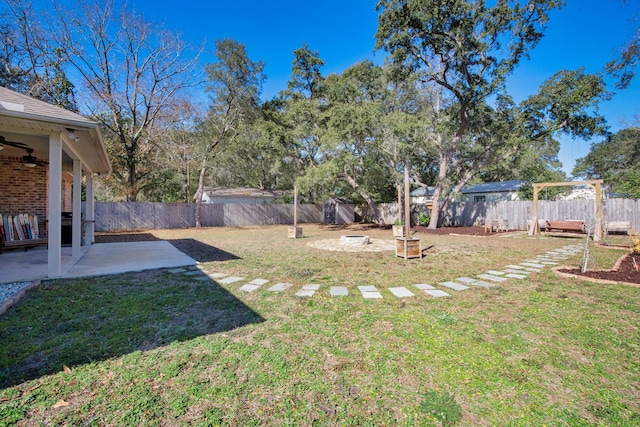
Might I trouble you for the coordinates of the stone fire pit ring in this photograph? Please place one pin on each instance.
(355, 240)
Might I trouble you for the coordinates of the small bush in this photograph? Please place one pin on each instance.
(635, 239)
(424, 219)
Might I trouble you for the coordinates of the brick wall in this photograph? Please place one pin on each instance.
(67, 191)
(23, 190)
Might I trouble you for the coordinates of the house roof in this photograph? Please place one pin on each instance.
(494, 187)
(422, 191)
(243, 192)
(23, 115)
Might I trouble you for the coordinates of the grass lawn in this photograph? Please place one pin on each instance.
(156, 348)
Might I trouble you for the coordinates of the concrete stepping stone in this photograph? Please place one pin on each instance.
(436, 293)
(338, 291)
(177, 270)
(492, 277)
(514, 271)
(516, 267)
(549, 263)
(280, 287)
(533, 270)
(532, 264)
(193, 267)
(369, 292)
(517, 276)
(218, 275)
(495, 272)
(230, 280)
(203, 278)
(249, 288)
(307, 291)
(483, 284)
(424, 286)
(466, 279)
(455, 286)
(258, 282)
(401, 292)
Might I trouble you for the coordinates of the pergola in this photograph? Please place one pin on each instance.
(596, 184)
(72, 144)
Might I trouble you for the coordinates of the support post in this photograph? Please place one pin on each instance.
(76, 208)
(54, 214)
(597, 236)
(90, 207)
(407, 204)
(535, 229)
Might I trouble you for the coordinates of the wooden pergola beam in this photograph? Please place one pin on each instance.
(595, 183)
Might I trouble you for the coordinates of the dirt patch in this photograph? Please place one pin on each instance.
(626, 271)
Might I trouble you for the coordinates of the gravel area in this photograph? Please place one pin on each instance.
(7, 290)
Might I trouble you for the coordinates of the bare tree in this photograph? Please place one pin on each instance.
(31, 64)
(133, 73)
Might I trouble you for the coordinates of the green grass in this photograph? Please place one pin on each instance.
(159, 349)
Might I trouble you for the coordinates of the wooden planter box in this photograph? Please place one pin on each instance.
(295, 232)
(398, 230)
(408, 248)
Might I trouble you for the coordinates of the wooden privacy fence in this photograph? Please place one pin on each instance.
(518, 212)
(115, 216)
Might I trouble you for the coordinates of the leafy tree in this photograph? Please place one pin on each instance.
(624, 67)
(467, 50)
(261, 155)
(234, 82)
(615, 160)
(133, 74)
(303, 106)
(356, 102)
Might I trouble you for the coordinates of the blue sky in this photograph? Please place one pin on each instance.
(586, 33)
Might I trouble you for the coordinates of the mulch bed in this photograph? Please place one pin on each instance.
(467, 231)
(626, 272)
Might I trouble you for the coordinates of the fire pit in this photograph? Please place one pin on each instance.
(354, 240)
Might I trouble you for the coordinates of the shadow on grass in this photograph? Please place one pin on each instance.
(197, 250)
(202, 252)
(74, 322)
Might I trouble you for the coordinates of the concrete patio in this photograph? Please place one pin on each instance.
(96, 260)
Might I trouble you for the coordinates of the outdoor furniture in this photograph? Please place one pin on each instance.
(576, 226)
(618, 227)
(496, 224)
(488, 225)
(24, 244)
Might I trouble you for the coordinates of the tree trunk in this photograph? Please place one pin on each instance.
(132, 184)
(372, 205)
(437, 193)
(200, 193)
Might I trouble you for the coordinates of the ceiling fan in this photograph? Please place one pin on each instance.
(29, 160)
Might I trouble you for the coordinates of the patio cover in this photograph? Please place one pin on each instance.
(65, 137)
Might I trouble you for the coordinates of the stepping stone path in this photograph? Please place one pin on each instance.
(369, 292)
(307, 291)
(455, 286)
(339, 291)
(488, 279)
(230, 280)
(280, 287)
(402, 292)
(492, 277)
